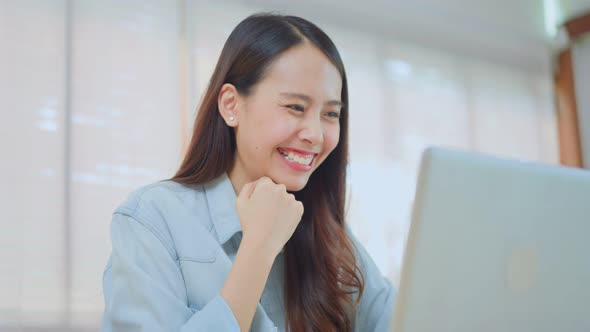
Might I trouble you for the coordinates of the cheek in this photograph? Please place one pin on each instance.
(262, 132)
(277, 132)
(331, 137)
(269, 137)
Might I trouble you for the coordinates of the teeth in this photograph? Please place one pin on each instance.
(296, 158)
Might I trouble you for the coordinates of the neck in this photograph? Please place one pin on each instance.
(237, 176)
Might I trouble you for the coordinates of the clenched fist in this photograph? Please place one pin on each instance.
(269, 215)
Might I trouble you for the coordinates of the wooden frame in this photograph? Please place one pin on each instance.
(570, 151)
(578, 26)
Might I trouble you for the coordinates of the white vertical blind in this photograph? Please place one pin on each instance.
(32, 90)
(125, 123)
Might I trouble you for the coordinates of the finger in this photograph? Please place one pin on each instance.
(246, 191)
(265, 179)
(262, 182)
(281, 188)
(300, 207)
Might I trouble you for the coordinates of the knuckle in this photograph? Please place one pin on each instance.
(299, 206)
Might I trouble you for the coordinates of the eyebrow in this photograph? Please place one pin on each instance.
(307, 98)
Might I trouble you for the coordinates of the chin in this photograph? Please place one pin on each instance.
(292, 184)
(296, 187)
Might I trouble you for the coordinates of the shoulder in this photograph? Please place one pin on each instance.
(377, 302)
(153, 195)
(172, 211)
(362, 256)
(156, 200)
(372, 273)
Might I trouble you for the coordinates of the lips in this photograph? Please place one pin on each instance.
(300, 153)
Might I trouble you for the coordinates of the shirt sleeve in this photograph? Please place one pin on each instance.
(144, 287)
(376, 307)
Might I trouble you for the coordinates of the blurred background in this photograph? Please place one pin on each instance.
(98, 98)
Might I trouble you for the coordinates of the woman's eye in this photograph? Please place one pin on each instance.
(333, 114)
(298, 108)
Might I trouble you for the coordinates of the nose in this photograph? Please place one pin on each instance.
(311, 130)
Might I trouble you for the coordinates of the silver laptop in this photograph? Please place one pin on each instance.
(496, 245)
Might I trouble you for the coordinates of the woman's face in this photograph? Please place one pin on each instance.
(290, 123)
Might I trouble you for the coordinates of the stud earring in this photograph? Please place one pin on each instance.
(231, 118)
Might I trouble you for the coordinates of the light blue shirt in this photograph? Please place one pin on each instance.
(172, 249)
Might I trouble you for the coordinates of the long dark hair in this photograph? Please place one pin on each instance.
(323, 283)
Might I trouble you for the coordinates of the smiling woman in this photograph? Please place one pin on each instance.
(250, 233)
(299, 124)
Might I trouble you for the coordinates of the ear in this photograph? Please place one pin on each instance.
(228, 103)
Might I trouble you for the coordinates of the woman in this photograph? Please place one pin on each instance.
(250, 232)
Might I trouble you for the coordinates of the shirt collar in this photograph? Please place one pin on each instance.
(221, 200)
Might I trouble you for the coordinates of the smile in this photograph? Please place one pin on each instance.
(297, 157)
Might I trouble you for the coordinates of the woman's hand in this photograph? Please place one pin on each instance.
(269, 215)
